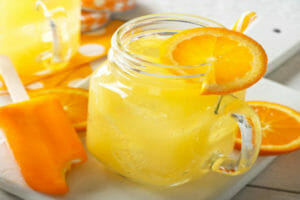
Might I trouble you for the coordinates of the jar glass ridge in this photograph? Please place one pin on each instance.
(158, 25)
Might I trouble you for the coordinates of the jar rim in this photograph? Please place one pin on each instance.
(116, 43)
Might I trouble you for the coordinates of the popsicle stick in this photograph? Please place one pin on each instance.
(12, 80)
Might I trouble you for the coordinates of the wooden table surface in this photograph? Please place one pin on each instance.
(281, 180)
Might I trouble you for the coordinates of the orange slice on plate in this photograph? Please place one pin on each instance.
(229, 60)
(73, 100)
(280, 128)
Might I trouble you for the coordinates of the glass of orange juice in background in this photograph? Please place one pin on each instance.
(154, 126)
(39, 36)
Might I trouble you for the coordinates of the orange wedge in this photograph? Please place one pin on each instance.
(230, 60)
(280, 128)
(74, 101)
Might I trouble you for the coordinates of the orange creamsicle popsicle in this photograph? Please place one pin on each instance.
(43, 142)
(41, 138)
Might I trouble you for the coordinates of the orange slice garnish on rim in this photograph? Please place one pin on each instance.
(280, 128)
(233, 61)
(73, 100)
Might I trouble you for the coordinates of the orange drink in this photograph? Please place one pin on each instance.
(39, 36)
(149, 121)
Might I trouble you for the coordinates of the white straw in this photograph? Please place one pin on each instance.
(12, 80)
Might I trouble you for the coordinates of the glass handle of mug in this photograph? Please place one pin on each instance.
(59, 54)
(250, 144)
